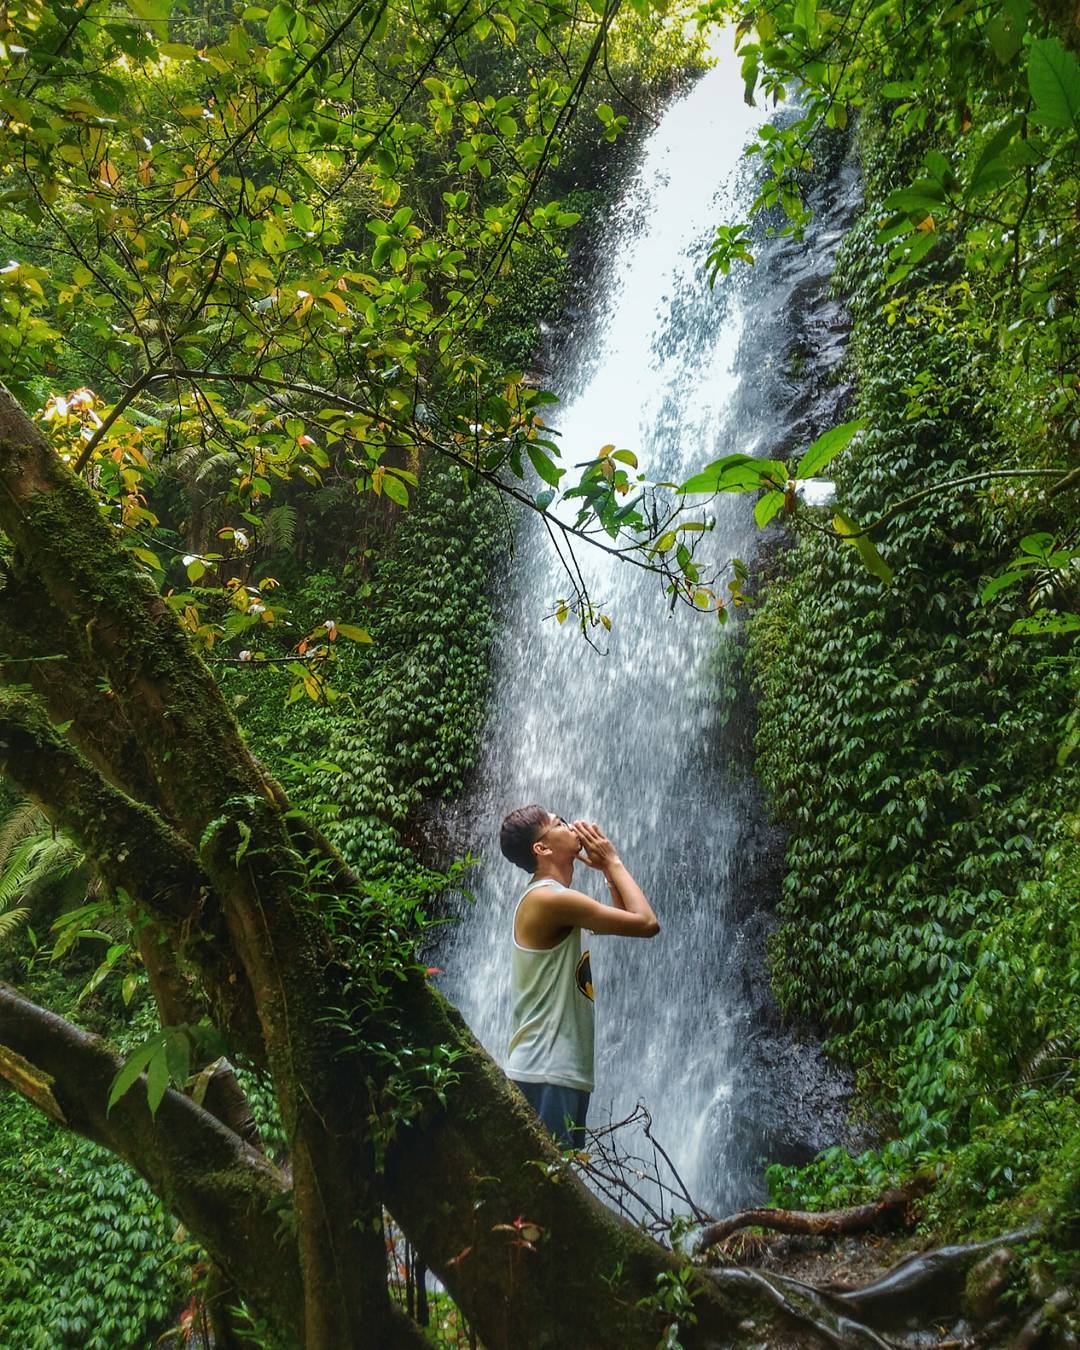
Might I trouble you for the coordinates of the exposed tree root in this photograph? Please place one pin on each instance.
(915, 1297)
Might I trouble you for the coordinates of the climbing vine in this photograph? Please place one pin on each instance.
(918, 748)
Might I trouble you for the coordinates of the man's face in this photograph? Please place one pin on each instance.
(560, 837)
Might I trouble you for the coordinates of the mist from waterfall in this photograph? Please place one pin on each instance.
(627, 738)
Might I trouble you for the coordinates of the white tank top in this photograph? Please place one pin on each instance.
(551, 1020)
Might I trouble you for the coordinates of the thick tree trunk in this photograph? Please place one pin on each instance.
(231, 1197)
(136, 852)
(222, 802)
(469, 1183)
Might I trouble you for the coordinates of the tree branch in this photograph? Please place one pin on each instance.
(118, 409)
(891, 1205)
(227, 1193)
(967, 481)
(135, 851)
(49, 655)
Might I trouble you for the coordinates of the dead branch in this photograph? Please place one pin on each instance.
(892, 1205)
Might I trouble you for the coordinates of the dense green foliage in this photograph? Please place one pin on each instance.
(918, 747)
(407, 729)
(88, 1258)
(297, 259)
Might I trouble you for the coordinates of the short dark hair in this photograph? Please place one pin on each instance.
(519, 832)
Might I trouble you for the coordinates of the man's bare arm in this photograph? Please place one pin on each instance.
(573, 909)
(626, 894)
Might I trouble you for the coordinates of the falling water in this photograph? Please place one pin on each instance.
(629, 738)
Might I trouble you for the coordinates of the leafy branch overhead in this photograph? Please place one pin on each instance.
(987, 226)
(226, 247)
(781, 490)
(219, 280)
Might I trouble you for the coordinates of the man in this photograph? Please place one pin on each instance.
(551, 1035)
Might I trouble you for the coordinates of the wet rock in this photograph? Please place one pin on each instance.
(987, 1281)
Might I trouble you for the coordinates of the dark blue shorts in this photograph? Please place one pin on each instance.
(562, 1109)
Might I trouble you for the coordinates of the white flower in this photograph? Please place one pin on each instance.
(245, 655)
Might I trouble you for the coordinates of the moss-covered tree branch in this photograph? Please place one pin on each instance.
(227, 1193)
(136, 852)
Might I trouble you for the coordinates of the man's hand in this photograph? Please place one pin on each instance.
(629, 914)
(600, 852)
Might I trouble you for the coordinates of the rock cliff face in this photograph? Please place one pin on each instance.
(795, 1100)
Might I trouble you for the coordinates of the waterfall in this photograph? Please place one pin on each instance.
(631, 738)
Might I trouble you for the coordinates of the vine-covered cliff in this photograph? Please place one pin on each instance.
(919, 748)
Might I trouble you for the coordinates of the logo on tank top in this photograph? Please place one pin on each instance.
(583, 976)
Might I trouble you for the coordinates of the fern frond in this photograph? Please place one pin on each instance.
(18, 866)
(182, 463)
(54, 860)
(1052, 1059)
(10, 921)
(22, 820)
(279, 529)
(224, 459)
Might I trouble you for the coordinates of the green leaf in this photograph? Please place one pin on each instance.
(999, 583)
(990, 172)
(152, 11)
(827, 446)
(1046, 622)
(178, 1055)
(157, 1079)
(548, 471)
(1039, 545)
(872, 559)
(133, 1066)
(1006, 30)
(923, 196)
(395, 489)
(244, 831)
(736, 473)
(910, 255)
(767, 507)
(351, 631)
(1054, 81)
(303, 215)
(806, 19)
(277, 25)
